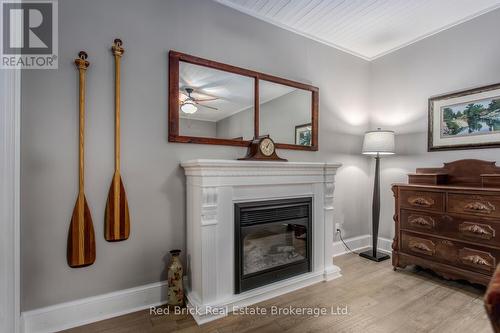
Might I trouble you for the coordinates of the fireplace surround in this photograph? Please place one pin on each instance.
(215, 189)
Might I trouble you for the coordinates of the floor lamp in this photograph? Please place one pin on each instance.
(377, 143)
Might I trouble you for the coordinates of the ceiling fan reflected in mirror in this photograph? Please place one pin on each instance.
(189, 103)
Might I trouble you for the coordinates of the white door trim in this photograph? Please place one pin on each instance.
(10, 116)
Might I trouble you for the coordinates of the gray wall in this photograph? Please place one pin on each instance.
(150, 165)
(194, 127)
(237, 125)
(463, 57)
(278, 117)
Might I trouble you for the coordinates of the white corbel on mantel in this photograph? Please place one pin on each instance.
(213, 187)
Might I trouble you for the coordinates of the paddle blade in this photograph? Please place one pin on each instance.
(116, 219)
(81, 238)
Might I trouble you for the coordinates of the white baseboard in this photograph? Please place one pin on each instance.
(88, 310)
(359, 243)
(384, 245)
(204, 313)
(355, 244)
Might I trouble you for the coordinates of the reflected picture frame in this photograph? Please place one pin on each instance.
(468, 119)
(303, 134)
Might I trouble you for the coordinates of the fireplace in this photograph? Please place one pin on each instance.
(272, 241)
(260, 189)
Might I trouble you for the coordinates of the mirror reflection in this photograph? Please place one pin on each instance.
(214, 103)
(285, 113)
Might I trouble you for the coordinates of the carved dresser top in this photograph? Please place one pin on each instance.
(468, 173)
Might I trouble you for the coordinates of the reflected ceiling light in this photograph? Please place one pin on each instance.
(189, 104)
(189, 107)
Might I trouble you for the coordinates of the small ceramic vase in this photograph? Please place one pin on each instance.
(174, 275)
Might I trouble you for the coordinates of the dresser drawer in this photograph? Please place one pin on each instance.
(420, 221)
(473, 229)
(418, 245)
(432, 201)
(475, 258)
(478, 230)
(481, 205)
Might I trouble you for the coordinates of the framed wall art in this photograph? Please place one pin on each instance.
(468, 119)
(303, 135)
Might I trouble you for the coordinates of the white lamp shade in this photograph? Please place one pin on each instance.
(189, 107)
(378, 142)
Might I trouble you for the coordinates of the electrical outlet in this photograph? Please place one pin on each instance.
(337, 227)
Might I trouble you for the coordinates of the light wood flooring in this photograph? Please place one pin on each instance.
(378, 300)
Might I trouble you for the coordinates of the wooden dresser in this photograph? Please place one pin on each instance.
(448, 220)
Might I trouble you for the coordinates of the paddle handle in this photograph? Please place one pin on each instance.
(82, 64)
(118, 51)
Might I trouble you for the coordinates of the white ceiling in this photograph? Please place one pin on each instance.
(234, 92)
(365, 28)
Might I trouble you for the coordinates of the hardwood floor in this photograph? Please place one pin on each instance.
(377, 298)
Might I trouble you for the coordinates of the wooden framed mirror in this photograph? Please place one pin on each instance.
(216, 103)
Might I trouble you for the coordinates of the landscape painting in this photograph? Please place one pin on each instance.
(303, 135)
(465, 119)
(477, 117)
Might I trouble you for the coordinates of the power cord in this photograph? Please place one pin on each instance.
(347, 247)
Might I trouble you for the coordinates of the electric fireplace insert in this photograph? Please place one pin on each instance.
(272, 241)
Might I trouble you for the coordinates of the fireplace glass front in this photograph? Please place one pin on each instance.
(273, 241)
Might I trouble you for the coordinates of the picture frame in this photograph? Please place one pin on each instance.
(303, 134)
(468, 119)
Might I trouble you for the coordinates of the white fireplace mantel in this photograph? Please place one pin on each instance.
(213, 187)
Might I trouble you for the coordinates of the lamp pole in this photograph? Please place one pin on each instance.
(372, 254)
(377, 143)
(376, 205)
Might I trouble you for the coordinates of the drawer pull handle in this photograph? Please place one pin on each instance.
(420, 247)
(421, 201)
(479, 207)
(475, 259)
(421, 221)
(483, 231)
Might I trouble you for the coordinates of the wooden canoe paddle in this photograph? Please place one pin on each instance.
(117, 219)
(81, 238)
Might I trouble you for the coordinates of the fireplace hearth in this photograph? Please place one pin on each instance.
(272, 241)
